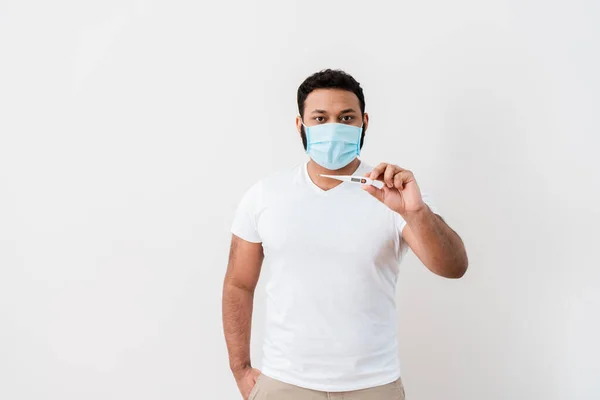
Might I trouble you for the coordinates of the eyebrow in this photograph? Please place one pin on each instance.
(347, 110)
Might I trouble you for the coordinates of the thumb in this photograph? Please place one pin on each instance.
(374, 191)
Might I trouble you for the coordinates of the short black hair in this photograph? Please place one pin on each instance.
(329, 79)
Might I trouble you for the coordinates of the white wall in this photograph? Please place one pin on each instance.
(129, 130)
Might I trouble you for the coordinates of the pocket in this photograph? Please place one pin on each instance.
(254, 390)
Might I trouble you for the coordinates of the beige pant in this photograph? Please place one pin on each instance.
(267, 388)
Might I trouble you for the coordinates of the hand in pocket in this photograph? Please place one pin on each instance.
(246, 381)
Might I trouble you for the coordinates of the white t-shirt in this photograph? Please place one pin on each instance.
(331, 296)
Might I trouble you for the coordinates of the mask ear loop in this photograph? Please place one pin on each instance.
(306, 135)
(358, 141)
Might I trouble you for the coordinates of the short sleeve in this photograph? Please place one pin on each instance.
(245, 220)
(401, 223)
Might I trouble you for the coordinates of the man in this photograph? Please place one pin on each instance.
(333, 249)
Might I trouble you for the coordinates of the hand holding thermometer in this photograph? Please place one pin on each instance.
(351, 178)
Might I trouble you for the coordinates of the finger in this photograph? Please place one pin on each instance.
(378, 170)
(373, 191)
(388, 175)
(406, 176)
(402, 178)
(398, 183)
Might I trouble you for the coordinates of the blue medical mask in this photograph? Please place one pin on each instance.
(333, 145)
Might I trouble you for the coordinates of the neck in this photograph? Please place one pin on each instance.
(314, 171)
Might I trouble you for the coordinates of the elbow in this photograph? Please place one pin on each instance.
(455, 269)
(233, 284)
(458, 273)
(458, 269)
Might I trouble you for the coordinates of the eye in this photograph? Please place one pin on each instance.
(319, 119)
(347, 118)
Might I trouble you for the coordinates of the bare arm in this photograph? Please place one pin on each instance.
(435, 243)
(243, 270)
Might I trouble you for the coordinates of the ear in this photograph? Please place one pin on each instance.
(365, 122)
(299, 124)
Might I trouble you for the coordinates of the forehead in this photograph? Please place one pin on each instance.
(331, 100)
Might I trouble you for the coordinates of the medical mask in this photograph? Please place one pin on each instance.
(333, 145)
